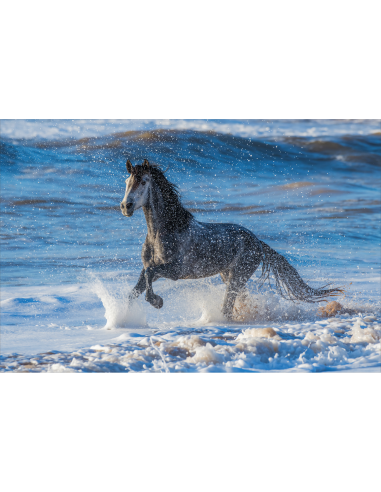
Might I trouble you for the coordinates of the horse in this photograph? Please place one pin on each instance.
(178, 246)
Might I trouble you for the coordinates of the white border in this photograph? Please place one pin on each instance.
(198, 60)
(205, 59)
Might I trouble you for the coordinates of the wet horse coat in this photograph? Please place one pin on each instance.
(178, 246)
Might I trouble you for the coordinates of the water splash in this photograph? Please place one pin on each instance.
(119, 312)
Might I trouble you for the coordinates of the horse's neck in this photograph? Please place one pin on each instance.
(152, 225)
(154, 211)
(161, 217)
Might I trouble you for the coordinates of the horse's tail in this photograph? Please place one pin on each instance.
(288, 281)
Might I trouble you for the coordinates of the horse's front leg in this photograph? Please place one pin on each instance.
(139, 287)
(167, 270)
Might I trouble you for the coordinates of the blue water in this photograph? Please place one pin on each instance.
(315, 199)
(310, 189)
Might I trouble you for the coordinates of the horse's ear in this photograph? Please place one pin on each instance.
(145, 165)
(129, 166)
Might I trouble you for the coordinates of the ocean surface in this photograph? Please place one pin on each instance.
(311, 189)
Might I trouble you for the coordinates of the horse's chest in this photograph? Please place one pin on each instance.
(158, 250)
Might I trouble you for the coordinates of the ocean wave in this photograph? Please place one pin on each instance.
(193, 148)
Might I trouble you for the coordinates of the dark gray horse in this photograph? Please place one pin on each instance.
(177, 246)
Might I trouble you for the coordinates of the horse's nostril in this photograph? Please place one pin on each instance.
(129, 205)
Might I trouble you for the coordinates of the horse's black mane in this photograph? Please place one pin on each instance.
(176, 217)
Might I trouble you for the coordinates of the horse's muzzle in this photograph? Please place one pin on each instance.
(127, 209)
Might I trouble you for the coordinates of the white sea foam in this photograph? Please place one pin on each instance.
(342, 344)
(187, 335)
(60, 129)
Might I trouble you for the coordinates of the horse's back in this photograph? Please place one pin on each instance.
(229, 232)
(209, 249)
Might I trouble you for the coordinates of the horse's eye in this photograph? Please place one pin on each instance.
(143, 183)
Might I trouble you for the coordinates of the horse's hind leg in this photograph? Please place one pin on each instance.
(236, 279)
(233, 289)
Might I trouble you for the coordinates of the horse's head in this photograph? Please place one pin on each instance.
(137, 186)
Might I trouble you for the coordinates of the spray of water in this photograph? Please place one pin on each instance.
(113, 293)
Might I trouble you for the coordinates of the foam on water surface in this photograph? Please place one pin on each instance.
(311, 347)
(189, 336)
(60, 129)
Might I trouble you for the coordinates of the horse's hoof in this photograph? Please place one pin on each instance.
(155, 301)
(132, 296)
